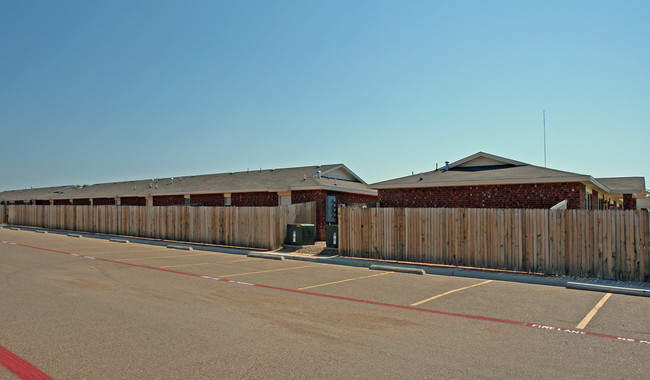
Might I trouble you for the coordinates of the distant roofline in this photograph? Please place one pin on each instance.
(476, 155)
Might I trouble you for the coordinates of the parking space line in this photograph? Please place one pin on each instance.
(593, 312)
(185, 265)
(237, 261)
(338, 282)
(362, 301)
(215, 263)
(264, 271)
(449, 292)
(169, 256)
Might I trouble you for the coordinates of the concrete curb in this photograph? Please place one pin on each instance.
(265, 256)
(397, 269)
(41, 232)
(563, 281)
(118, 240)
(608, 288)
(146, 241)
(183, 247)
(74, 235)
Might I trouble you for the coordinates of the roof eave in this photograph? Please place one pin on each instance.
(514, 181)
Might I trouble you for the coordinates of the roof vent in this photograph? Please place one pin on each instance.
(420, 177)
(304, 177)
(171, 180)
(318, 174)
(150, 183)
(446, 166)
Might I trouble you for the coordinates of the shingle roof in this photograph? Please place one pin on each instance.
(484, 176)
(34, 193)
(299, 178)
(505, 171)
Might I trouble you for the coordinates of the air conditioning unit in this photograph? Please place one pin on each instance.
(300, 234)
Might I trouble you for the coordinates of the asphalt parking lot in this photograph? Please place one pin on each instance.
(92, 308)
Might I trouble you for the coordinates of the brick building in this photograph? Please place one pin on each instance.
(327, 185)
(483, 180)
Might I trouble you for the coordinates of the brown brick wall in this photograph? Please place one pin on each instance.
(629, 203)
(256, 199)
(169, 200)
(493, 196)
(133, 201)
(103, 201)
(207, 199)
(595, 204)
(317, 196)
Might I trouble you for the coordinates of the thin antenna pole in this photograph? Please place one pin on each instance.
(544, 118)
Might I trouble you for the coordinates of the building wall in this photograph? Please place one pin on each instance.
(493, 196)
(207, 199)
(629, 203)
(169, 200)
(133, 201)
(81, 202)
(61, 202)
(103, 201)
(255, 199)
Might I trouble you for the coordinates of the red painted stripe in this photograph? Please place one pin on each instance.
(19, 366)
(457, 315)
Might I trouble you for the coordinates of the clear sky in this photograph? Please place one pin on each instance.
(98, 91)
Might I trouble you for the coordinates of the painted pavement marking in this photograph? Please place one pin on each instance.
(20, 367)
(338, 282)
(593, 312)
(449, 292)
(395, 306)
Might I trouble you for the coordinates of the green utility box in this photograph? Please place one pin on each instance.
(300, 234)
(332, 236)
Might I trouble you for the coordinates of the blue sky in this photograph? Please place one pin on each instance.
(113, 90)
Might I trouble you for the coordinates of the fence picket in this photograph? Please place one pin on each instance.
(608, 244)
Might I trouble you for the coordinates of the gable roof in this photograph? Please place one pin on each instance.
(35, 193)
(336, 177)
(486, 169)
(484, 159)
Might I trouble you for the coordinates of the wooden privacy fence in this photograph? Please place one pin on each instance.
(606, 244)
(258, 227)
